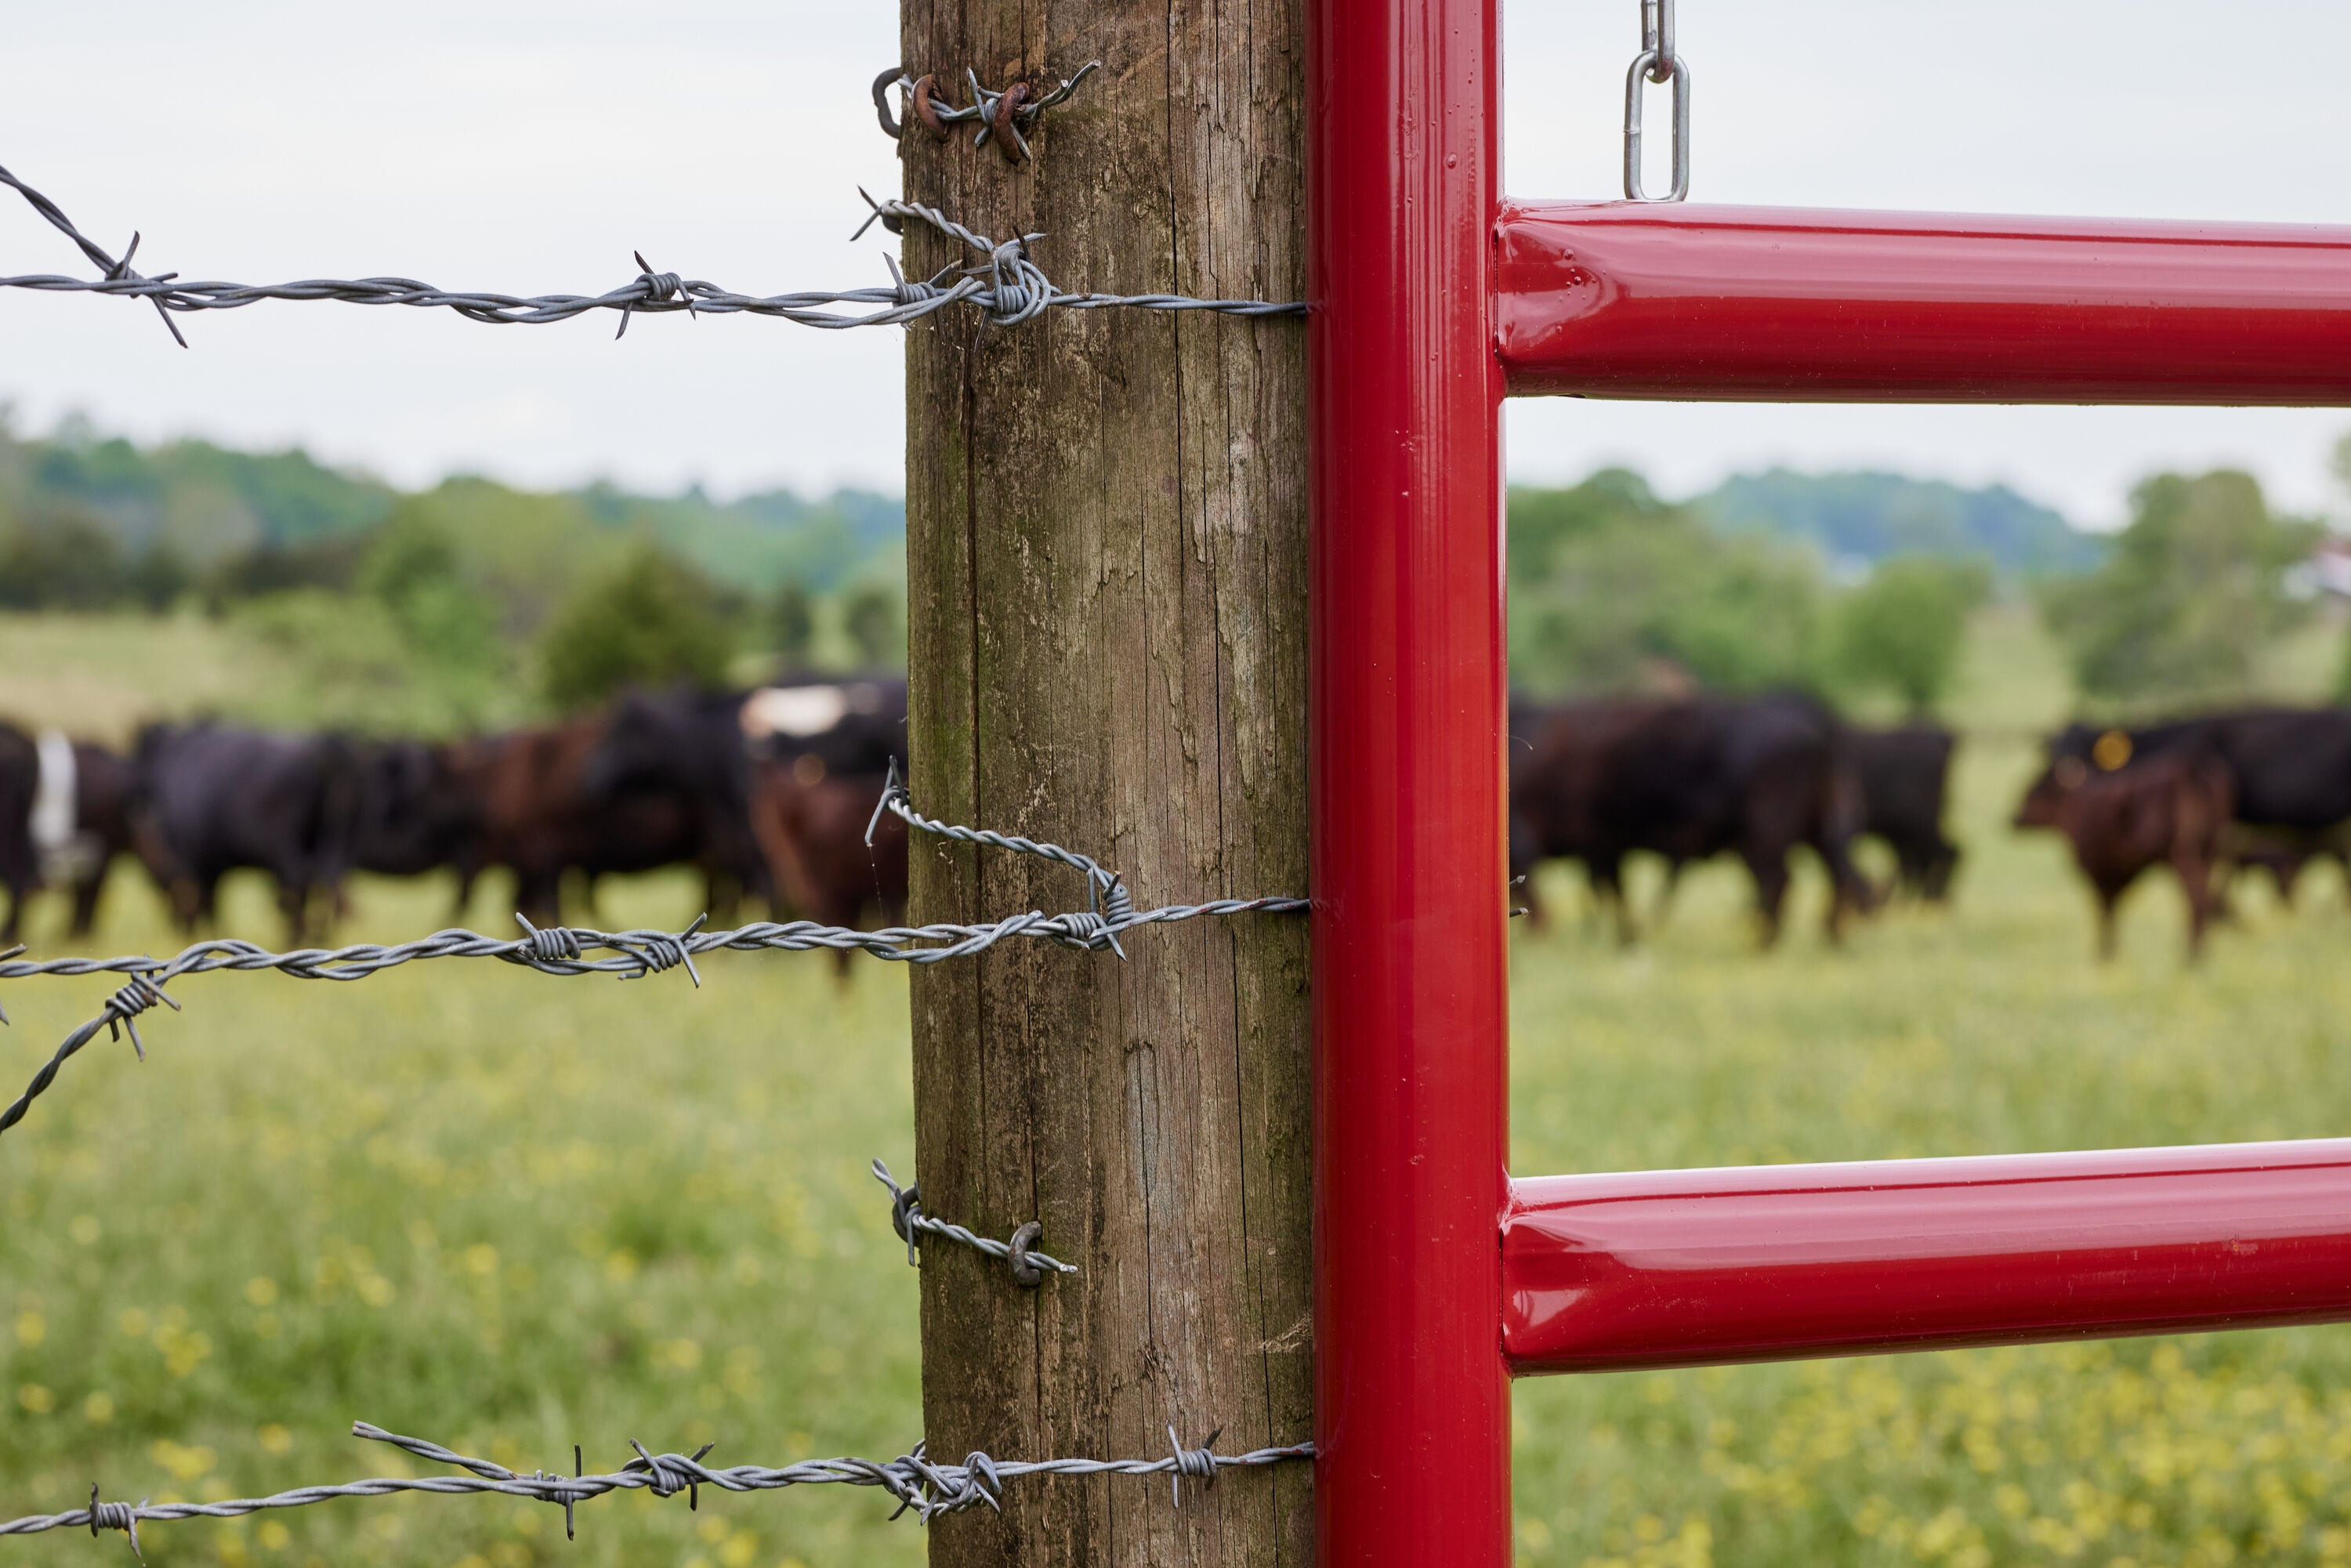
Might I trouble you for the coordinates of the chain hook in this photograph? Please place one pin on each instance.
(1658, 63)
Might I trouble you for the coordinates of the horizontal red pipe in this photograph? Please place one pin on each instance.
(1772, 1262)
(1619, 300)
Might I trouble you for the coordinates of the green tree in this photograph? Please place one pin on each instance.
(64, 561)
(414, 568)
(874, 616)
(648, 617)
(1611, 587)
(793, 622)
(2193, 595)
(1903, 630)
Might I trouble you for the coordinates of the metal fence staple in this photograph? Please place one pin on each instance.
(907, 1219)
(1005, 114)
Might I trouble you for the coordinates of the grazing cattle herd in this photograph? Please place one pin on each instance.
(1688, 778)
(768, 795)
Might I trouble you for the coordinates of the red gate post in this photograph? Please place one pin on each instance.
(1426, 292)
(1411, 1402)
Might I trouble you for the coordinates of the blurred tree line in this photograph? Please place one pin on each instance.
(474, 603)
(468, 604)
(1613, 590)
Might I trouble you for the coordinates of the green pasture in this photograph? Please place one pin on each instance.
(512, 1213)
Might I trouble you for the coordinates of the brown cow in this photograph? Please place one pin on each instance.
(534, 820)
(2171, 809)
(811, 825)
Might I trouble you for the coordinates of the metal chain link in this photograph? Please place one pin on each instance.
(1658, 63)
(926, 1488)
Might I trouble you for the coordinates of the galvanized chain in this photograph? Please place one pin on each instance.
(923, 1487)
(633, 955)
(1007, 287)
(1659, 63)
(907, 1219)
(1005, 115)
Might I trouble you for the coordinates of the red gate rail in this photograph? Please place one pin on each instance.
(1693, 1268)
(1761, 303)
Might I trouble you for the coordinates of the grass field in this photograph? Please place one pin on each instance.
(513, 1213)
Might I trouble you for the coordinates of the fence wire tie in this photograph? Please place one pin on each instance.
(920, 1485)
(1029, 292)
(1005, 284)
(1110, 908)
(1005, 115)
(907, 1219)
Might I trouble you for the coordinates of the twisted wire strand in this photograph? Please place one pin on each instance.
(906, 1218)
(1007, 287)
(637, 954)
(631, 955)
(922, 1486)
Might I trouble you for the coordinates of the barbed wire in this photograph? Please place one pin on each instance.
(907, 1219)
(1007, 288)
(1106, 894)
(922, 1486)
(1003, 114)
(633, 955)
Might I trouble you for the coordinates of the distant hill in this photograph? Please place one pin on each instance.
(1864, 517)
(208, 503)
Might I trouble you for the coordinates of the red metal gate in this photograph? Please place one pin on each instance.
(1437, 1277)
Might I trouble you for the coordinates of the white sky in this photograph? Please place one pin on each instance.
(528, 145)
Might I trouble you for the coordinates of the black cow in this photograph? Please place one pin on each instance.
(1557, 752)
(93, 830)
(700, 748)
(209, 799)
(20, 781)
(687, 747)
(1690, 778)
(1905, 776)
(415, 813)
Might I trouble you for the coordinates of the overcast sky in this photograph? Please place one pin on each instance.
(527, 146)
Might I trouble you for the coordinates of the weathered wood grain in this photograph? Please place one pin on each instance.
(1106, 519)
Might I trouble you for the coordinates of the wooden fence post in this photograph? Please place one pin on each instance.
(1106, 547)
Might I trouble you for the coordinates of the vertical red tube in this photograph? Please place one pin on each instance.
(1412, 1413)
